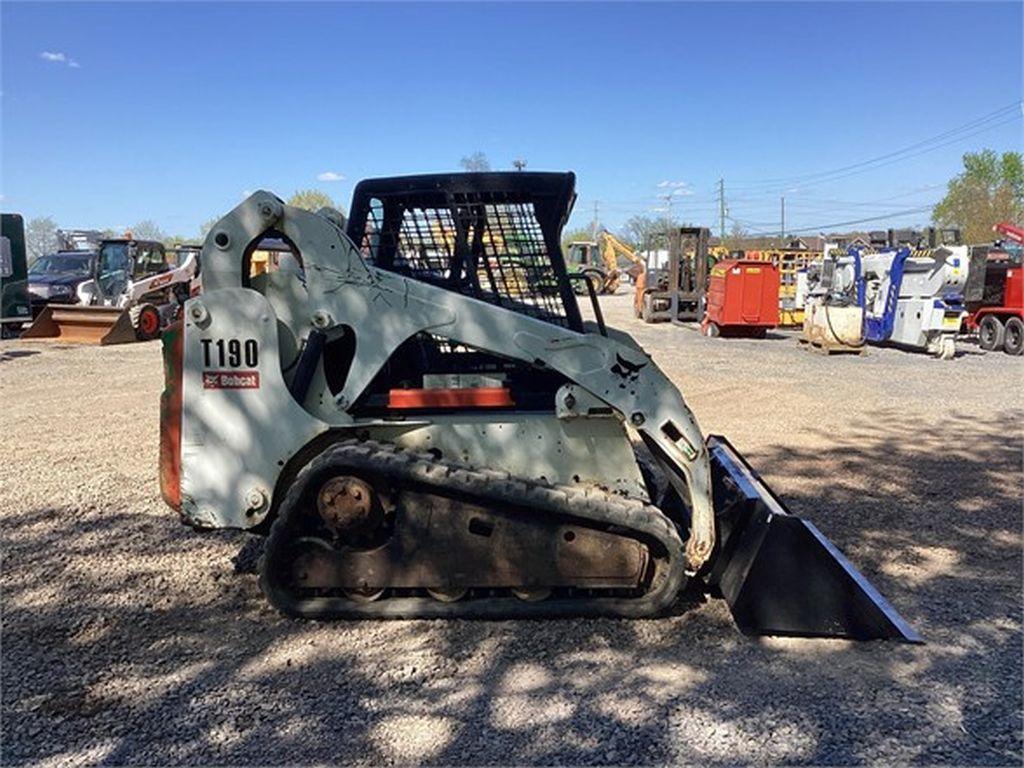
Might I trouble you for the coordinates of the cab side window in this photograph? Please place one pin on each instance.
(149, 260)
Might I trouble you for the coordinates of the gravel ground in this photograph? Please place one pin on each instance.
(128, 639)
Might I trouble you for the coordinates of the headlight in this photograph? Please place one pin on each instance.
(60, 290)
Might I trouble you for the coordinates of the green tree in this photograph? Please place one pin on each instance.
(475, 162)
(147, 229)
(643, 232)
(40, 237)
(311, 200)
(989, 190)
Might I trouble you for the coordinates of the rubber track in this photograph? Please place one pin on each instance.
(424, 470)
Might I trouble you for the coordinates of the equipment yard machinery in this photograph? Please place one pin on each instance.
(15, 306)
(743, 299)
(792, 264)
(424, 426)
(995, 293)
(599, 261)
(910, 297)
(132, 294)
(677, 291)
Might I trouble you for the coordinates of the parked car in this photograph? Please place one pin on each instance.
(55, 278)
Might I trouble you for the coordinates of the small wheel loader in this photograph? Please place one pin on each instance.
(420, 421)
(132, 295)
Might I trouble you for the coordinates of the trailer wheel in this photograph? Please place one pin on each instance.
(1013, 341)
(990, 333)
(146, 321)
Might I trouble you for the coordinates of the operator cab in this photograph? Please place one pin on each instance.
(122, 261)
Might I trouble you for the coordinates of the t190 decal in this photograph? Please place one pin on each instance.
(230, 353)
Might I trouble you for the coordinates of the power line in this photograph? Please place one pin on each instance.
(892, 215)
(974, 127)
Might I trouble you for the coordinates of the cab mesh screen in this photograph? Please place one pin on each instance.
(487, 245)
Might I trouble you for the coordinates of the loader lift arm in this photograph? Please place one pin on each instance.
(379, 294)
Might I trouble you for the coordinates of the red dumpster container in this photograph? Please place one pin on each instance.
(743, 298)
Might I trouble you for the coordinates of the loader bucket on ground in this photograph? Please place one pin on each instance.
(779, 574)
(82, 325)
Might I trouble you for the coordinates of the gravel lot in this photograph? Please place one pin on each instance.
(128, 639)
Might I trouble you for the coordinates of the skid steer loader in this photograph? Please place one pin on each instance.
(132, 295)
(421, 422)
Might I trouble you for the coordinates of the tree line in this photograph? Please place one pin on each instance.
(990, 189)
(41, 232)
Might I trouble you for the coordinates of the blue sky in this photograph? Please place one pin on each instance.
(172, 111)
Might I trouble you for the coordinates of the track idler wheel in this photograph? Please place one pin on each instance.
(448, 594)
(532, 595)
(349, 508)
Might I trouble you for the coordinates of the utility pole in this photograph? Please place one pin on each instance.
(668, 206)
(782, 234)
(721, 210)
(593, 226)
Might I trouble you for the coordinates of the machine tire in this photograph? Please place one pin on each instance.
(146, 321)
(990, 333)
(597, 278)
(1013, 339)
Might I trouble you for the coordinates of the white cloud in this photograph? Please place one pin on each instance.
(330, 176)
(672, 184)
(58, 57)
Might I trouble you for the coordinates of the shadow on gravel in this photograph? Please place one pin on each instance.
(931, 515)
(14, 354)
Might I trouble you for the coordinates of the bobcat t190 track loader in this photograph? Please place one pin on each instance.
(419, 419)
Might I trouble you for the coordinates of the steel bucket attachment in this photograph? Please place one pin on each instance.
(779, 574)
(82, 325)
